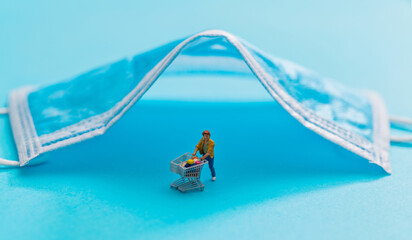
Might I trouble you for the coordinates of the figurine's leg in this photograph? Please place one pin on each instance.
(211, 167)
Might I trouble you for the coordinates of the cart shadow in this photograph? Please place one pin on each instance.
(129, 165)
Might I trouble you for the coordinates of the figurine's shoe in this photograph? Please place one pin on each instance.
(213, 178)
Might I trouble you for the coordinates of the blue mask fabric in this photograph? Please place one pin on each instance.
(50, 117)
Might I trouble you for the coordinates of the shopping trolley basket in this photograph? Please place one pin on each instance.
(190, 176)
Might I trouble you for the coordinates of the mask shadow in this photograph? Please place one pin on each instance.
(261, 154)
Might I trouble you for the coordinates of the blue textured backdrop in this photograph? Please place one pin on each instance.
(98, 189)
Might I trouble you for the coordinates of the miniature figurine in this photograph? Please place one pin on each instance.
(206, 148)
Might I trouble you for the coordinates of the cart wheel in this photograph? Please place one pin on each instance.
(201, 189)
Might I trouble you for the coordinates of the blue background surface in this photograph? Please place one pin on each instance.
(117, 185)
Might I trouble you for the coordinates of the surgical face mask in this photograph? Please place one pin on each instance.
(51, 117)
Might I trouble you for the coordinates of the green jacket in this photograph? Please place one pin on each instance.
(210, 146)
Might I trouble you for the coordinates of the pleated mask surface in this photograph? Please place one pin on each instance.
(50, 117)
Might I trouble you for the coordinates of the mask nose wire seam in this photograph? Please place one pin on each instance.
(5, 162)
(404, 121)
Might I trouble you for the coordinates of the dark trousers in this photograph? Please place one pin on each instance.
(211, 161)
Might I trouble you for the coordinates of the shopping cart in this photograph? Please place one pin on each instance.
(190, 176)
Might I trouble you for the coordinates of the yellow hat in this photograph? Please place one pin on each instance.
(190, 161)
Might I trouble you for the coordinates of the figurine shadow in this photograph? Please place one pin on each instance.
(261, 154)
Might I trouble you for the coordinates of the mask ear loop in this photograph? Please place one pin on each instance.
(4, 111)
(407, 125)
(5, 162)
